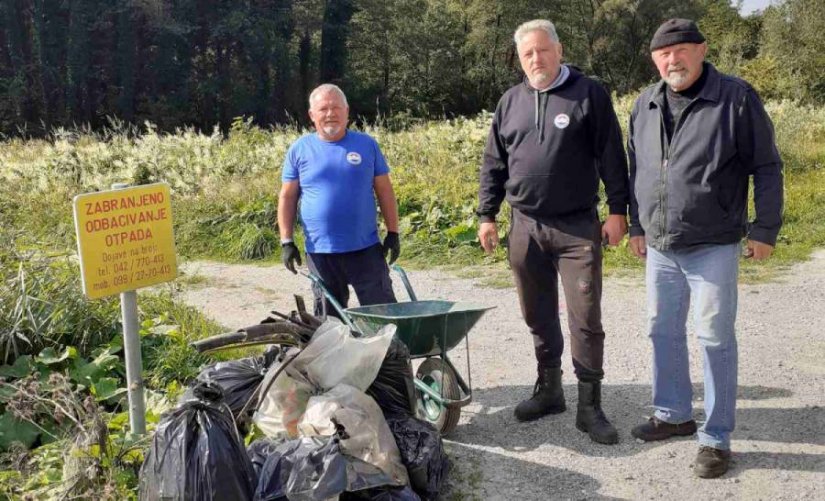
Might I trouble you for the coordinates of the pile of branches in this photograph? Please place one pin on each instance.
(294, 329)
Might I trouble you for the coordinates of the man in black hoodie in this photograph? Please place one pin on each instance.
(553, 137)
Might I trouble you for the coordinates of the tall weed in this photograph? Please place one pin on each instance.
(225, 189)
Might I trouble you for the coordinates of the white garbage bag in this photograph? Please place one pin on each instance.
(333, 357)
(360, 423)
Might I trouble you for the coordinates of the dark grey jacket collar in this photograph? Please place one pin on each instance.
(710, 92)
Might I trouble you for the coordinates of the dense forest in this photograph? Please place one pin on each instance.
(201, 63)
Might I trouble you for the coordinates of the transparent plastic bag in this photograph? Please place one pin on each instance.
(335, 356)
(283, 404)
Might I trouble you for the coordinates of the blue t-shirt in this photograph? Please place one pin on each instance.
(337, 202)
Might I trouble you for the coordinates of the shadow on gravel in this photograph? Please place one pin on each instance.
(479, 475)
(493, 425)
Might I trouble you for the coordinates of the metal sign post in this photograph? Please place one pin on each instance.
(134, 363)
(131, 352)
(125, 241)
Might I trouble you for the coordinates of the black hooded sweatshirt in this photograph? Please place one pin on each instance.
(547, 150)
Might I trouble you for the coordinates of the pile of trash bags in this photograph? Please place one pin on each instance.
(334, 420)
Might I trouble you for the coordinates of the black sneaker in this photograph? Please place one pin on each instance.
(656, 429)
(711, 462)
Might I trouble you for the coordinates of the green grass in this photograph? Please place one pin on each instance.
(194, 281)
(225, 190)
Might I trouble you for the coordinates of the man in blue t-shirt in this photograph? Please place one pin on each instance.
(331, 176)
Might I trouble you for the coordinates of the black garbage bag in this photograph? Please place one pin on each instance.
(307, 469)
(260, 450)
(393, 388)
(422, 452)
(382, 494)
(197, 454)
(315, 469)
(239, 380)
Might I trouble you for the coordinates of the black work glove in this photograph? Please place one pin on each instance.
(289, 255)
(392, 246)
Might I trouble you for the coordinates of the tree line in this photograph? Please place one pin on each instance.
(201, 63)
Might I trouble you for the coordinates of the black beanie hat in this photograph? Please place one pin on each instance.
(674, 31)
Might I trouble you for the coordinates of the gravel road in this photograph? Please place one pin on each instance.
(779, 443)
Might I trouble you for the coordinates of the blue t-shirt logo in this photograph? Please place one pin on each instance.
(354, 158)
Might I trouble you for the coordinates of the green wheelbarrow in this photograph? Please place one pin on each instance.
(429, 329)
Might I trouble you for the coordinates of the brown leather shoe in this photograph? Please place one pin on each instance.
(656, 429)
(711, 463)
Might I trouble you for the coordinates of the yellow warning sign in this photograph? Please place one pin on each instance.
(125, 239)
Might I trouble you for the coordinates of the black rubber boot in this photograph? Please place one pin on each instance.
(589, 416)
(548, 396)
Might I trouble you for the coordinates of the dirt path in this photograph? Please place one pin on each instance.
(779, 444)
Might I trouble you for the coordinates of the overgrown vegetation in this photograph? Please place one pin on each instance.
(61, 370)
(63, 420)
(226, 190)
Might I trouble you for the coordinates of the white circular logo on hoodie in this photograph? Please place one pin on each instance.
(561, 121)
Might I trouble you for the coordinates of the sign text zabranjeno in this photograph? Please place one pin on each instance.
(125, 239)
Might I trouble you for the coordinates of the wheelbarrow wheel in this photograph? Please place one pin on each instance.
(440, 377)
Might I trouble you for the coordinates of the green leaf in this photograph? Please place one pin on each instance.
(50, 357)
(7, 477)
(7, 391)
(103, 365)
(14, 430)
(106, 388)
(461, 233)
(93, 451)
(133, 456)
(22, 367)
(54, 431)
(161, 330)
(119, 422)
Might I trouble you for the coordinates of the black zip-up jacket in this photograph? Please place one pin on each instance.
(692, 190)
(546, 151)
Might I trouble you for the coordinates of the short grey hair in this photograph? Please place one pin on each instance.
(327, 87)
(536, 25)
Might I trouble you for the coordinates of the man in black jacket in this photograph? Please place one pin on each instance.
(695, 139)
(553, 137)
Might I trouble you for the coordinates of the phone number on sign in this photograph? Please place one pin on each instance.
(140, 275)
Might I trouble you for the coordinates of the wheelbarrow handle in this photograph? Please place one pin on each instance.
(316, 280)
(406, 281)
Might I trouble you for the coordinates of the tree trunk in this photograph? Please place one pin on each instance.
(20, 29)
(337, 15)
(304, 60)
(126, 54)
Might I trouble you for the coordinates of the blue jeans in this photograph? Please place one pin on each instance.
(707, 277)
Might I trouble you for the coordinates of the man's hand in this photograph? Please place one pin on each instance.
(638, 247)
(289, 255)
(614, 229)
(391, 246)
(758, 250)
(488, 235)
